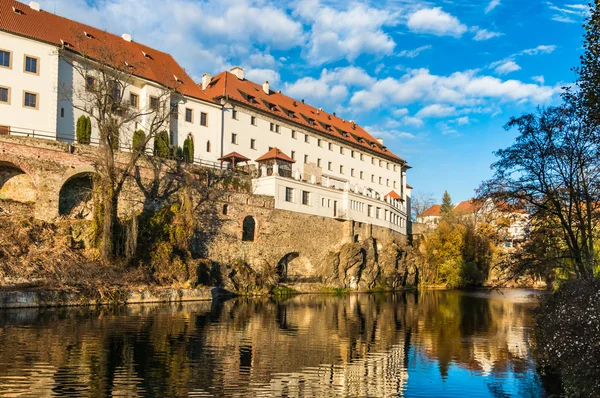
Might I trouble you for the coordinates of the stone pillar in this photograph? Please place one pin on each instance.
(275, 169)
(326, 182)
(263, 171)
(313, 179)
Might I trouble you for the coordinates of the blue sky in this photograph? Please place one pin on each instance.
(436, 79)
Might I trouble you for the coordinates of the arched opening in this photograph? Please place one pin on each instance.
(357, 238)
(15, 184)
(294, 268)
(208, 146)
(225, 209)
(75, 197)
(249, 229)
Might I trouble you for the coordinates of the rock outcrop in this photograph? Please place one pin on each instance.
(369, 265)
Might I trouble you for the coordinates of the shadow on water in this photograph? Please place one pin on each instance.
(414, 344)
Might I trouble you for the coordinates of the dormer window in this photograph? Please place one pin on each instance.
(65, 44)
(127, 64)
(251, 99)
(88, 35)
(17, 11)
(178, 80)
(147, 55)
(311, 122)
(272, 107)
(291, 114)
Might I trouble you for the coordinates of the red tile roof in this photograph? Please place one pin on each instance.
(251, 94)
(393, 194)
(234, 155)
(53, 29)
(433, 211)
(275, 153)
(469, 206)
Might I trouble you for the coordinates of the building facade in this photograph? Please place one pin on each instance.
(339, 170)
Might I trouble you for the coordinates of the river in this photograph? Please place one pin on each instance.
(432, 343)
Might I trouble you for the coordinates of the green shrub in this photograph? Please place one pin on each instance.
(188, 150)
(138, 142)
(84, 130)
(161, 145)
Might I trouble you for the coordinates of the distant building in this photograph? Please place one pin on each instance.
(513, 224)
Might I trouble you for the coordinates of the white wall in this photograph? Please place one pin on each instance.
(282, 140)
(349, 205)
(44, 84)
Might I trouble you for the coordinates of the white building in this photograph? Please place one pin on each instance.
(342, 170)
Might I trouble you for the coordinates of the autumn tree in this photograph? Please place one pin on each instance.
(103, 73)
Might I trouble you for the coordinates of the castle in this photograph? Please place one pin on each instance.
(310, 161)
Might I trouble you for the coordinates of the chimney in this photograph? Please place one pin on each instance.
(238, 72)
(34, 6)
(206, 78)
(266, 87)
(126, 37)
(380, 140)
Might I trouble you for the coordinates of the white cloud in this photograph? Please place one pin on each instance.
(262, 60)
(345, 33)
(260, 75)
(437, 22)
(461, 121)
(543, 49)
(492, 4)
(459, 88)
(401, 112)
(505, 67)
(484, 34)
(436, 110)
(412, 121)
(569, 13)
(539, 79)
(413, 53)
(332, 86)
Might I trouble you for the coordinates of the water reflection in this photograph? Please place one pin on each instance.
(406, 344)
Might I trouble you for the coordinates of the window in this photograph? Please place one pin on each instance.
(90, 83)
(305, 159)
(30, 100)
(362, 157)
(4, 95)
(372, 178)
(189, 115)
(329, 166)
(370, 211)
(274, 128)
(234, 114)
(341, 169)
(253, 120)
(341, 150)
(31, 65)
(387, 182)
(154, 103)
(306, 138)
(380, 179)
(293, 155)
(5, 59)
(380, 163)
(248, 229)
(289, 194)
(134, 100)
(203, 119)
(395, 184)
(361, 175)
(294, 134)
(208, 146)
(306, 198)
(62, 112)
(318, 162)
(352, 172)
(395, 168)
(311, 122)
(116, 91)
(330, 145)
(319, 142)
(233, 138)
(252, 143)
(352, 153)
(387, 166)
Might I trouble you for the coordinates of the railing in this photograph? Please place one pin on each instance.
(70, 139)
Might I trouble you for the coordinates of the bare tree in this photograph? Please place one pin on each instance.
(554, 168)
(420, 202)
(103, 74)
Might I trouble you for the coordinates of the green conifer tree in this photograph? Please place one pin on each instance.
(447, 206)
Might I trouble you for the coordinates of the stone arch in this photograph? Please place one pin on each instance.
(249, 229)
(294, 267)
(16, 183)
(75, 195)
